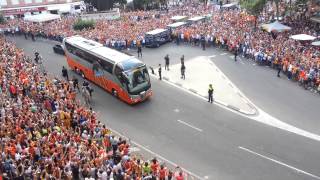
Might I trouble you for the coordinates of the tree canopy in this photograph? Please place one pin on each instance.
(254, 7)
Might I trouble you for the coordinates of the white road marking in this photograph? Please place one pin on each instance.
(261, 116)
(212, 56)
(176, 110)
(158, 155)
(280, 163)
(222, 54)
(189, 125)
(253, 64)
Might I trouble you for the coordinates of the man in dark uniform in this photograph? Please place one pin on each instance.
(139, 51)
(65, 73)
(235, 54)
(182, 60)
(75, 83)
(279, 65)
(183, 71)
(203, 42)
(159, 71)
(210, 94)
(36, 59)
(167, 62)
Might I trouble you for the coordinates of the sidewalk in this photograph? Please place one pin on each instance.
(200, 72)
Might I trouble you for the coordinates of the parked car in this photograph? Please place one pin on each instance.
(58, 49)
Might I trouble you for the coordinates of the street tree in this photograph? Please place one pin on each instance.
(253, 7)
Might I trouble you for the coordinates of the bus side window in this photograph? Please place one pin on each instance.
(107, 66)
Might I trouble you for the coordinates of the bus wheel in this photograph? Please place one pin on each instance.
(114, 93)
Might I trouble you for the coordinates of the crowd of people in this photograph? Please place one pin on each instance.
(230, 29)
(47, 133)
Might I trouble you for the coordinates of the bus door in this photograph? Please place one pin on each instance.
(122, 80)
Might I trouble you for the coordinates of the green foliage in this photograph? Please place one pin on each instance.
(254, 7)
(83, 24)
(121, 2)
(2, 19)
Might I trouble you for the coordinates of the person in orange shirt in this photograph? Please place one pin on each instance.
(154, 166)
(162, 173)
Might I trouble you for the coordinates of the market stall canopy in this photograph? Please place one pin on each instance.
(316, 43)
(275, 26)
(303, 37)
(197, 18)
(231, 5)
(42, 17)
(177, 24)
(179, 18)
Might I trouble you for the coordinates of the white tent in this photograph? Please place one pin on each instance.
(275, 26)
(231, 5)
(177, 24)
(316, 43)
(178, 18)
(197, 18)
(303, 37)
(42, 17)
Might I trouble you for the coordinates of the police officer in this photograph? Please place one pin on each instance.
(182, 60)
(75, 83)
(210, 94)
(279, 66)
(183, 70)
(159, 71)
(65, 73)
(235, 54)
(139, 50)
(167, 62)
(36, 59)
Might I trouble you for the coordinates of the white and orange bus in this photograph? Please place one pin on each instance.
(124, 76)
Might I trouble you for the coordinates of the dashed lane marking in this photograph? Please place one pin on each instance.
(189, 125)
(279, 162)
(222, 54)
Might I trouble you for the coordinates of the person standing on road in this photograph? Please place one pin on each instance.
(139, 51)
(167, 62)
(182, 60)
(159, 71)
(210, 94)
(279, 67)
(183, 71)
(65, 73)
(235, 54)
(75, 83)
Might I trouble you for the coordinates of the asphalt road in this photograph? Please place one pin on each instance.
(208, 140)
(279, 97)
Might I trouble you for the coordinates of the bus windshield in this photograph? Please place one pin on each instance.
(137, 77)
(139, 80)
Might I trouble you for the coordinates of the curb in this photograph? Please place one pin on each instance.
(229, 106)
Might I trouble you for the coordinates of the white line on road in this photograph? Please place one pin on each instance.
(158, 155)
(222, 54)
(189, 125)
(212, 56)
(280, 163)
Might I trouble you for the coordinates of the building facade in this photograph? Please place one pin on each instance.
(23, 7)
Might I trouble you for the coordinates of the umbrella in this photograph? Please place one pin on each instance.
(275, 26)
(316, 43)
(302, 37)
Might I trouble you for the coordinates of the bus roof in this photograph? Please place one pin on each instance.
(98, 49)
(177, 24)
(156, 31)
